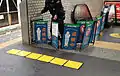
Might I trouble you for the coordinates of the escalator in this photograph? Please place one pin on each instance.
(81, 12)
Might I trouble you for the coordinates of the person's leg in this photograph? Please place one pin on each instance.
(51, 29)
(61, 31)
(50, 39)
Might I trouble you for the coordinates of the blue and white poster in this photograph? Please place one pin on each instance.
(55, 34)
(70, 36)
(40, 31)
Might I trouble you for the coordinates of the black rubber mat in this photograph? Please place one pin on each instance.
(106, 34)
(11, 65)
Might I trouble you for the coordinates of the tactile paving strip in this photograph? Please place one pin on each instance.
(73, 64)
(23, 53)
(34, 56)
(13, 51)
(59, 61)
(46, 58)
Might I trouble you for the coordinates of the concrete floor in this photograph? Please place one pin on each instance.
(11, 65)
(10, 36)
(97, 61)
(106, 34)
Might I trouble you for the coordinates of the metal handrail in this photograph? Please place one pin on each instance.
(1, 3)
(14, 3)
(9, 12)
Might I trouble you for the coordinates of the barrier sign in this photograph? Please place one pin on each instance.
(93, 33)
(87, 34)
(70, 36)
(55, 34)
(40, 31)
(81, 32)
(99, 23)
(103, 22)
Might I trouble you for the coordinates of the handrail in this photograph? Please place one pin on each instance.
(1, 3)
(14, 3)
(9, 12)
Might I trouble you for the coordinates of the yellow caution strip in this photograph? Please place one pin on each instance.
(116, 35)
(13, 51)
(58, 61)
(73, 64)
(34, 56)
(107, 45)
(46, 58)
(23, 53)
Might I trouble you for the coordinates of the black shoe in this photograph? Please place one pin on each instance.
(50, 42)
(59, 44)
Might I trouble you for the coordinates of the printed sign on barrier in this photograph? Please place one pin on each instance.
(55, 34)
(40, 31)
(103, 22)
(81, 32)
(70, 36)
(93, 33)
(87, 34)
(99, 23)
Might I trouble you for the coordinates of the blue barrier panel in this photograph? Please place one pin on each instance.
(103, 22)
(70, 36)
(99, 23)
(87, 34)
(81, 32)
(93, 33)
(55, 34)
(40, 31)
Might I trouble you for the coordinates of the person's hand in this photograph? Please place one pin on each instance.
(55, 17)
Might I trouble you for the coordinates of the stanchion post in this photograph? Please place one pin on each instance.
(8, 12)
(18, 9)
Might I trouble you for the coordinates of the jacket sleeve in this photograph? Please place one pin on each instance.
(59, 7)
(45, 9)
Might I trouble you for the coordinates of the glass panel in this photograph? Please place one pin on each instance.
(4, 20)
